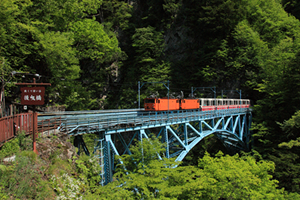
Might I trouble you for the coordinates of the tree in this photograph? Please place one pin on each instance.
(278, 90)
(292, 6)
(222, 177)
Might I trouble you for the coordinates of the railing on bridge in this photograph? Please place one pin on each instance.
(124, 121)
(118, 128)
(12, 125)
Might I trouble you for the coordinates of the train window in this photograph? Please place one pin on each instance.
(219, 102)
(149, 100)
(206, 103)
(158, 101)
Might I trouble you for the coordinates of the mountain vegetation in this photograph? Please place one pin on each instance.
(94, 52)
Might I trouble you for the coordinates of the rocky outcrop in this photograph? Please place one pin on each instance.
(55, 144)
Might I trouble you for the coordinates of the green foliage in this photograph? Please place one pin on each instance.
(116, 13)
(25, 142)
(210, 144)
(277, 87)
(21, 180)
(239, 178)
(292, 6)
(76, 97)
(291, 126)
(58, 166)
(67, 187)
(148, 45)
(10, 148)
(93, 42)
(94, 51)
(32, 156)
(57, 49)
(171, 9)
(89, 140)
(220, 177)
(213, 20)
(142, 154)
(5, 73)
(290, 144)
(89, 169)
(52, 38)
(3, 195)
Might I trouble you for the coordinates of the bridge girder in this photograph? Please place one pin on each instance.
(180, 137)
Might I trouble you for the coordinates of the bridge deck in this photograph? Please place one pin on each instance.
(116, 122)
(117, 130)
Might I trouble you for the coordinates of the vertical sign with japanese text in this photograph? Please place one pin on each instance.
(32, 95)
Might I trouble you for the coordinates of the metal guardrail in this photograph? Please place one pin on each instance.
(74, 122)
(47, 125)
(64, 114)
(79, 120)
(113, 121)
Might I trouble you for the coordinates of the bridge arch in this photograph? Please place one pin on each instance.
(180, 131)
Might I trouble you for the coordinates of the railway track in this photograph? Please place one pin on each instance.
(76, 123)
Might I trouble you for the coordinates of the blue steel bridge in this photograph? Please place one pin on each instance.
(181, 130)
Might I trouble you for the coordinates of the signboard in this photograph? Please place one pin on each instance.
(32, 95)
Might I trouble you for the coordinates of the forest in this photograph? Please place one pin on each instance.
(94, 53)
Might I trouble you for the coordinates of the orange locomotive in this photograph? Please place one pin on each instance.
(163, 104)
(204, 104)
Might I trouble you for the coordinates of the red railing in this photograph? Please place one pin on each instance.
(10, 126)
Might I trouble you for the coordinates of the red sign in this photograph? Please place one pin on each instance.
(32, 95)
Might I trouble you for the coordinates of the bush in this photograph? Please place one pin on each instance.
(10, 148)
(22, 180)
(30, 155)
(25, 142)
(89, 169)
(67, 187)
(59, 167)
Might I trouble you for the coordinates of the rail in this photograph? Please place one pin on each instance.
(10, 126)
(74, 122)
(74, 125)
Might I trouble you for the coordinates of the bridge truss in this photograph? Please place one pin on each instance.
(179, 130)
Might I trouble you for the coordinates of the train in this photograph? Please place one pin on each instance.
(204, 104)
